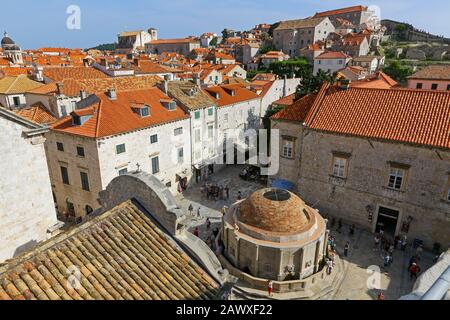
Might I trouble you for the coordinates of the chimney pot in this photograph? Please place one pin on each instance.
(60, 87)
(112, 94)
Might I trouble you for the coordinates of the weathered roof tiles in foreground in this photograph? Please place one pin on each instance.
(122, 254)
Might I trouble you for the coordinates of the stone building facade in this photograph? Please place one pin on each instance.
(294, 35)
(395, 180)
(27, 212)
(116, 146)
(181, 46)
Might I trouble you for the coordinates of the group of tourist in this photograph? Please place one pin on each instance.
(215, 192)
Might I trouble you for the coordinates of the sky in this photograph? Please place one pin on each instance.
(34, 24)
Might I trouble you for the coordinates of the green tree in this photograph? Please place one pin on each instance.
(273, 27)
(266, 49)
(213, 42)
(225, 35)
(297, 66)
(312, 83)
(398, 72)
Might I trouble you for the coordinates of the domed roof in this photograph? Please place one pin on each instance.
(275, 210)
(7, 40)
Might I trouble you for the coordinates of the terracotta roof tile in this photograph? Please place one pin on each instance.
(230, 94)
(297, 111)
(332, 55)
(18, 84)
(286, 101)
(37, 113)
(78, 73)
(412, 116)
(122, 254)
(340, 11)
(433, 72)
(111, 117)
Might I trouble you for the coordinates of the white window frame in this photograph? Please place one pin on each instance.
(288, 149)
(340, 167)
(396, 174)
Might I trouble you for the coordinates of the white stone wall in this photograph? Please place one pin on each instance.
(26, 204)
(278, 90)
(239, 116)
(8, 100)
(140, 150)
(329, 65)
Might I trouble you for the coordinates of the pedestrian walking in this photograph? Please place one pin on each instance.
(377, 240)
(216, 232)
(208, 223)
(380, 296)
(190, 209)
(351, 232)
(329, 266)
(387, 260)
(198, 213)
(239, 196)
(346, 248)
(224, 210)
(196, 232)
(227, 192)
(270, 288)
(404, 242)
(414, 270)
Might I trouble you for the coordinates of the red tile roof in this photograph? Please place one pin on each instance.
(340, 11)
(37, 113)
(411, 116)
(332, 55)
(286, 101)
(226, 98)
(433, 72)
(73, 87)
(60, 73)
(111, 117)
(378, 80)
(296, 111)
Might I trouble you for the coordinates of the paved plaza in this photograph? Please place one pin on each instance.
(394, 280)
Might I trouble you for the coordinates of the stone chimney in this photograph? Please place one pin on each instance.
(83, 94)
(60, 87)
(196, 78)
(86, 62)
(112, 94)
(344, 84)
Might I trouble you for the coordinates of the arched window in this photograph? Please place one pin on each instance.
(88, 209)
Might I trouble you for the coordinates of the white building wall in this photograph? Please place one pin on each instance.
(279, 89)
(26, 203)
(329, 65)
(140, 151)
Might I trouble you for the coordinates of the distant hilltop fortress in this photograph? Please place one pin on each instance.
(410, 33)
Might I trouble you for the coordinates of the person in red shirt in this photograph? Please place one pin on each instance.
(414, 270)
(381, 296)
(270, 288)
